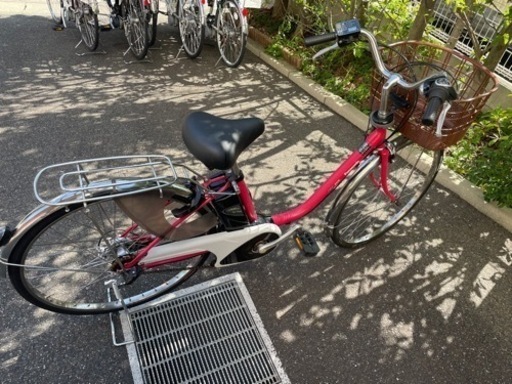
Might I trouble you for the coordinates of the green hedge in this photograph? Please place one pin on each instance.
(484, 156)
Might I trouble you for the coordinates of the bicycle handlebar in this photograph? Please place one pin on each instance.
(319, 39)
(438, 93)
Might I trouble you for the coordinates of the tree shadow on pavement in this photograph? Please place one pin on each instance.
(425, 303)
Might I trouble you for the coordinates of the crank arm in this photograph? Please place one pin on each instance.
(263, 248)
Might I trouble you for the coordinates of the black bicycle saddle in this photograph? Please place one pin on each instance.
(218, 142)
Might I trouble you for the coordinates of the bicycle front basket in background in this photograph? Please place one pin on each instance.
(415, 60)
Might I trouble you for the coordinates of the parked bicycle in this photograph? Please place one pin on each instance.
(224, 21)
(83, 13)
(141, 225)
(138, 18)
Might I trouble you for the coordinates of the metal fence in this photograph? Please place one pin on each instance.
(485, 27)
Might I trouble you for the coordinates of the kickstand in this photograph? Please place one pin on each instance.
(124, 316)
(182, 49)
(146, 59)
(87, 53)
(179, 51)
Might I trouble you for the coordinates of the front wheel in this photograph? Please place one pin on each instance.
(136, 28)
(231, 37)
(87, 22)
(191, 26)
(364, 210)
(66, 259)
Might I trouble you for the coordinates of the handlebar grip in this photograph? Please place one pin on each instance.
(439, 91)
(319, 39)
(432, 110)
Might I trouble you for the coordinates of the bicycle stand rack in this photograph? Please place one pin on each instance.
(124, 317)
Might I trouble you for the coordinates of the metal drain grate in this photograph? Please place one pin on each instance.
(209, 333)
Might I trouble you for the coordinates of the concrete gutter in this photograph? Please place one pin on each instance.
(447, 178)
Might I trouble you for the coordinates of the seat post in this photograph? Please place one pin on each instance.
(244, 195)
(236, 172)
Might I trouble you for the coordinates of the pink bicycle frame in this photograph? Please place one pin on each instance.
(372, 141)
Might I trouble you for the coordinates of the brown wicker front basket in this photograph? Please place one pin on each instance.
(416, 60)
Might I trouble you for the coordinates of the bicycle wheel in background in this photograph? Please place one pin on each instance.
(77, 250)
(362, 211)
(55, 7)
(152, 11)
(191, 26)
(87, 22)
(231, 38)
(136, 28)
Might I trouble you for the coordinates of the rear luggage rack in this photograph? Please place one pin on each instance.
(85, 181)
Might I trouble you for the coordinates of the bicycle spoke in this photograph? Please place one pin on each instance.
(364, 211)
(231, 39)
(190, 22)
(74, 252)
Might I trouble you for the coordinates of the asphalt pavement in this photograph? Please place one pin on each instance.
(428, 303)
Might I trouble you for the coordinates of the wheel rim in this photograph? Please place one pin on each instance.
(80, 251)
(87, 22)
(191, 26)
(136, 30)
(368, 212)
(230, 35)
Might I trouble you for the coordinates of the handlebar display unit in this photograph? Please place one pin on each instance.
(347, 31)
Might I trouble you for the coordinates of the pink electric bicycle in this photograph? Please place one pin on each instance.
(142, 225)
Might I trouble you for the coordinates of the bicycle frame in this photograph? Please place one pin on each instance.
(224, 243)
(372, 142)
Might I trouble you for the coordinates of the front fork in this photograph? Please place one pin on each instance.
(386, 154)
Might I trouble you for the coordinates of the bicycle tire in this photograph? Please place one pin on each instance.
(152, 22)
(87, 21)
(362, 212)
(231, 38)
(55, 7)
(86, 240)
(136, 28)
(191, 26)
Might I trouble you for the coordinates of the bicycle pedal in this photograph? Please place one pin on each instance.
(307, 243)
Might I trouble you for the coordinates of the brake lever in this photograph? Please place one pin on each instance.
(323, 51)
(442, 117)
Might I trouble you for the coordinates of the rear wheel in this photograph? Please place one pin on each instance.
(231, 38)
(74, 252)
(363, 211)
(191, 25)
(87, 22)
(136, 28)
